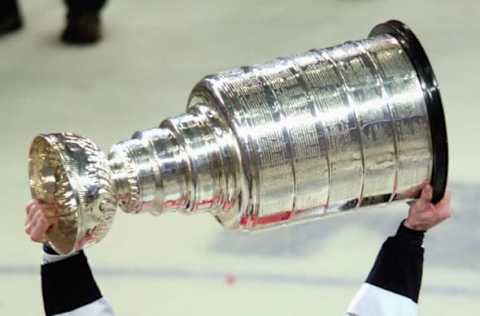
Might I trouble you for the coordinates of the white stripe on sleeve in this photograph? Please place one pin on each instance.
(98, 308)
(374, 301)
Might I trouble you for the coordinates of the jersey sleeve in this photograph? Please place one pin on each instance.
(69, 288)
(393, 286)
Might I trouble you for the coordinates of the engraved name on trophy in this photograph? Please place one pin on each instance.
(295, 139)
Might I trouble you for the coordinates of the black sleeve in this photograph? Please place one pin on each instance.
(399, 264)
(68, 284)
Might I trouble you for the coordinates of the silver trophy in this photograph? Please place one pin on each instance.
(294, 139)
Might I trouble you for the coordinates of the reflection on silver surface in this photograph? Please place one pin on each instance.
(293, 139)
(328, 130)
(70, 174)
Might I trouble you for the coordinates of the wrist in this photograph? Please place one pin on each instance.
(409, 225)
(410, 234)
(412, 226)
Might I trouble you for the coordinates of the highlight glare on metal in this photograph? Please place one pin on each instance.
(293, 139)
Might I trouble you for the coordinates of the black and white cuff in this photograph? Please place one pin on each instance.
(399, 264)
(68, 284)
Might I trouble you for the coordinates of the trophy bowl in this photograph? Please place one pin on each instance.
(69, 174)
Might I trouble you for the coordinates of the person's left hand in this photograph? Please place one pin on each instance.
(424, 215)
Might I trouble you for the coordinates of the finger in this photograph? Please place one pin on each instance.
(33, 222)
(39, 230)
(420, 206)
(39, 214)
(31, 207)
(443, 208)
(427, 192)
(28, 228)
(445, 202)
(31, 215)
(27, 218)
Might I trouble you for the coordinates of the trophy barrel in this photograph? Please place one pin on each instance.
(332, 129)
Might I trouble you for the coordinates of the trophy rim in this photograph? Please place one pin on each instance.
(438, 129)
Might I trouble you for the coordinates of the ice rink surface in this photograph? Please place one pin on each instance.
(153, 54)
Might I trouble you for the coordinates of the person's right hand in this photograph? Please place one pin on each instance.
(40, 217)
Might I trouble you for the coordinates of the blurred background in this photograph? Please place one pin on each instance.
(152, 54)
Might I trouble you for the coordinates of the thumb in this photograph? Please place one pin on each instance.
(443, 208)
(445, 202)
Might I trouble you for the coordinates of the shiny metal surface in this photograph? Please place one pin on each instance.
(70, 173)
(289, 140)
(328, 130)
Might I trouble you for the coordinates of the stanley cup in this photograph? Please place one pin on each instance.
(294, 139)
